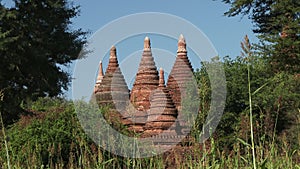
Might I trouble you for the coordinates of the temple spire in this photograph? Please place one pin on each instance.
(99, 78)
(100, 74)
(181, 44)
(113, 61)
(180, 76)
(146, 79)
(163, 113)
(147, 43)
(161, 82)
(181, 73)
(113, 89)
(113, 52)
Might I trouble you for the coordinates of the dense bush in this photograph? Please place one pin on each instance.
(50, 135)
(53, 138)
(275, 100)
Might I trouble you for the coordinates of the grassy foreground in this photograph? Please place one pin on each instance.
(52, 138)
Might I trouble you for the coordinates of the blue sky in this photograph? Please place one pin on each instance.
(225, 33)
(207, 15)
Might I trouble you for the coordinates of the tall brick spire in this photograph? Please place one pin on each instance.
(146, 79)
(99, 77)
(163, 113)
(181, 45)
(113, 61)
(181, 73)
(100, 74)
(147, 44)
(113, 89)
(161, 82)
(180, 76)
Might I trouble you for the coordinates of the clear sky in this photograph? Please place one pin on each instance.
(224, 33)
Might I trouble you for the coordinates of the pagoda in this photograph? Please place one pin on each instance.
(180, 77)
(163, 113)
(155, 107)
(181, 73)
(146, 79)
(111, 88)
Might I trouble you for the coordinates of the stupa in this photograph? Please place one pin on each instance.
(99, 77)
(181, 73)
(146, 79)
(163, 113)
(155, 107)
(180, 77)
(111, 89)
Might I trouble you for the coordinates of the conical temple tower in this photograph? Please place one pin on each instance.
(163, 113)
(146, 79)
(181, 73)
(180, 76)
(156, 108)
(113, 89)
(99, 77)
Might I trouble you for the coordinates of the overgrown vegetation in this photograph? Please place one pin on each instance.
(36, 43)
(259, 127)
(52, 137)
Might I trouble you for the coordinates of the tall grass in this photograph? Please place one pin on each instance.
(246, 46)
(54, 138)
(3, 131)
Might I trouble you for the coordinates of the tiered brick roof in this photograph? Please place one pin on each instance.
(113, 90)
(180, 76)
(181, 73)
(146, 79)
(155, 108)
(99, 77)
(163, 113)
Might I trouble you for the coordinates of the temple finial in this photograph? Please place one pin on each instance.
(113, 52)
(147, 44)
(181, 38)
(100, 74)
(113, 61)
(181, 44)
(161, 82)
(99, 77)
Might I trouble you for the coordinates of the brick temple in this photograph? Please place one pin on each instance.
(152, 106)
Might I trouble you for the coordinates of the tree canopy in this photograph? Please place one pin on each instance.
(36, 42)
(277, 23)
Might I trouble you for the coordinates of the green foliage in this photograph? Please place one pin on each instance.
(3, 132)
(44, 104)
(54, 138)
(277, 23)
(211, 84)
(36, 42)
(274, 98)
(247, 54)
(5, 37)
(46, 138)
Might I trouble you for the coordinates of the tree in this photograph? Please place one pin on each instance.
(277, 23)
(32, 65)
(4, 35)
